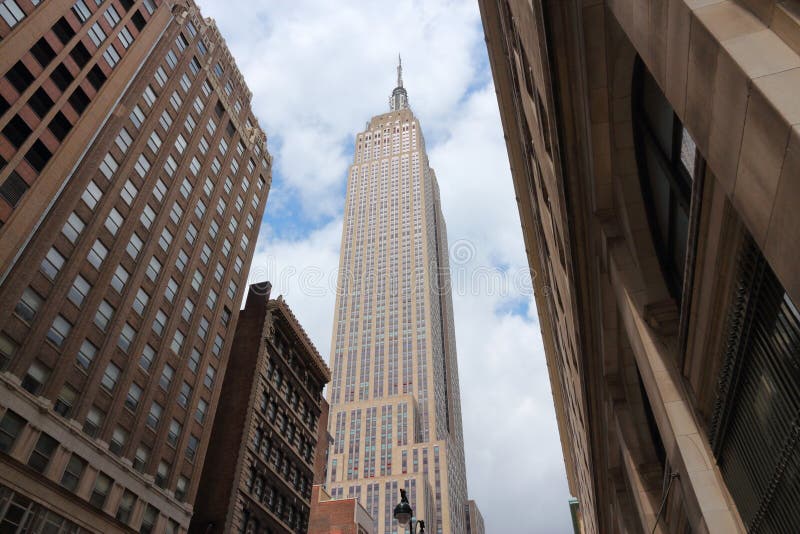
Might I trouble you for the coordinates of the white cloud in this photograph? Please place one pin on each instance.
(319, 71)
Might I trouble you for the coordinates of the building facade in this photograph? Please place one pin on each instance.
(259, 470)
(655, 152)
(133, 180)
(395, 402)
(338, 516)
(474, 519)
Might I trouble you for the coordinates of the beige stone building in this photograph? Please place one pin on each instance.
(395, 411)
(655, 153)
(133, 177)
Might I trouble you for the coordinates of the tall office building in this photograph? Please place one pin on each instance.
(395, 405)
(133, 180)
(655, 153)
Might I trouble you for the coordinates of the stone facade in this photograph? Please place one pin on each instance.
(654, 151)
(262, 460)
(133, 180)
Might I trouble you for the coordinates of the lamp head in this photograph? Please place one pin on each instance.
(403, 511)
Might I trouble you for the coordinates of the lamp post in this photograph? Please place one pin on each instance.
(405, 514)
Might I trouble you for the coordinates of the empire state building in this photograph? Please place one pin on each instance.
(395, 403)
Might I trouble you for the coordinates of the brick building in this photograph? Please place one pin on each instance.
(338, 516)
(261, 462)
(655, 152)
(133, 177)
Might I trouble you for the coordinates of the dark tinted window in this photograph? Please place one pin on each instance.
(17, 131)
(13, 188)
(138, 20)
(43, 52)
(60, 126)
(19, 76)
(61, 77)
(63, 30)
(79, 100)
(80, 54)
(38, 155)
(40, 102)
(96, 77)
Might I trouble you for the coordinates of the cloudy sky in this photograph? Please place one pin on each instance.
(318, 71)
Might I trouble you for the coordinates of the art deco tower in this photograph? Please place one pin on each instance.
(395, 405)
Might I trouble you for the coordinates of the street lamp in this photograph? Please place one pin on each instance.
(405, 514)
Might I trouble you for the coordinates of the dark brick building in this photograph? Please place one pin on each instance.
(133, 177)
(262, 458)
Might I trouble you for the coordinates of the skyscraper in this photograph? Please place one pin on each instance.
(133, 178)
(395, 403)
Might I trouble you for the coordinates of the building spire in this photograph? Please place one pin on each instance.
(399, 98)
(399, 71)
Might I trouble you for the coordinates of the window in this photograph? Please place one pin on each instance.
(153, 268)
(154, 142)
(202, 328)
(42, 452)
(194, 360)
(28, 305)
(172, 59)
(191, 234)
(174, 432)
(171, 290)
(79, 290)
(102, 317)
(111, 16)
(162, 474)
(200, 209)
(211, 301)
(126, 337)
(126, 506)
(159, 190)
(217, 348)
(165, 240)
(205, 254)
(91, 196)
(86, 354)
(176, 213)
(226, 247)
(94, 420)
(203, 145)
(109, 165)
(128, 192)
(165, 120)
(118, 439)
(188, 309)
(177, 341)
(154, 415)
(123, 140)
(137, 116)
(232, 290)
(97, 254)
(221, 206)
(213, 229)
(175, 100)
(200, 413)
(119, 279)
(191, 447)
(180, 145)
(11, 12)
(209, 379)
(665, 154)
(52, 263)
(149, 96)
(73, 472)
(149, 519)
(182, 260)
(97, 35)
(65, 401)
(113, 221)
(141, 166)
(148, 216)
(59, 330)
(166, 377)
(147, 357)
(159, 322)
(110, 377)
(10, 426)
(111, 55)
(181, 487)
(161, 76)
(102, 485)
(140, 460)
(219, 272)
(134, 246)
(185, 394)
(133, 397)
(35, 378)
(237, 265)
(73, 227)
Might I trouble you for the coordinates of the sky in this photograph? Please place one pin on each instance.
(319, 70)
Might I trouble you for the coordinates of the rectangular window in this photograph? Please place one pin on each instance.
(133, 397)
(182, 260)
(65, 401)
(125, 38)
(149, 96)
(86, 354)
(109, 165)
(92, 195)
(119, 279)
(111, 55)
(159, 190)
(159, 322)
(102, 485)
(94, 420)
(140, 460)
(97, 254)
(177, 341)
(10, 427)
(42, 452)
(110, 377)
(137, 116)
(126, 505)
(118, 439)
(134, 246)
(59, 330)
(174, 432)
(73, 227)
(35, 378)
(153, 269)
(185, 394)
(126, 337)
(104, 314)
(79, 290)
(123, 140)
(154, 415)
(147, 357)
(165, 120)
(73, 472)
(52, 263)
(128, 192)
(113, 221)
(11, 12)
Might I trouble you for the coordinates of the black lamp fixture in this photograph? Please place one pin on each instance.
(405, 514)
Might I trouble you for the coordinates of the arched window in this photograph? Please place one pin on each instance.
(666, 157)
